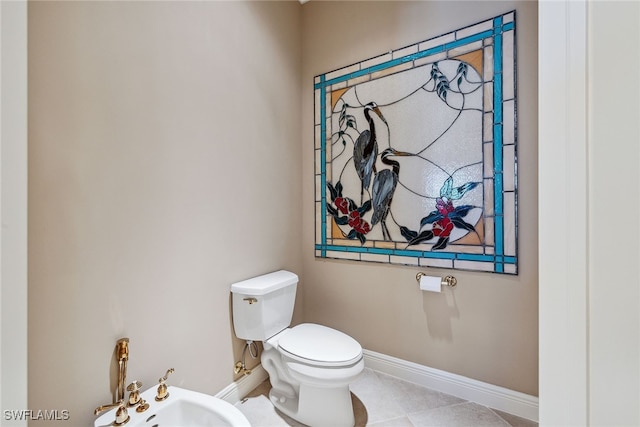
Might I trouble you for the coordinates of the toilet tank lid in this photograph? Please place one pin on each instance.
(264, 284)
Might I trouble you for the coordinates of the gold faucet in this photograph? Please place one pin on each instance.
(122, 354)
(122, 416)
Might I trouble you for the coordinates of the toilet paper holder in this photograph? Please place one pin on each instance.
(449, 281)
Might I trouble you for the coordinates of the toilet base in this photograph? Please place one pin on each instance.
(317, 406)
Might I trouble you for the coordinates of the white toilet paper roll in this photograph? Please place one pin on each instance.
(430, 283)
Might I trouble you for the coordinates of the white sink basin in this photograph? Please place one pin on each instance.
(182, 408)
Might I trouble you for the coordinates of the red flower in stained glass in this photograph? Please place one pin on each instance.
(342, 204)
(442, 227)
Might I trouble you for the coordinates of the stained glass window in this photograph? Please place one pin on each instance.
(415, 153)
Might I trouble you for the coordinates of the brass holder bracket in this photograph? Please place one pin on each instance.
(449, 281)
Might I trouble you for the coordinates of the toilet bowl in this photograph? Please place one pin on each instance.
(321, 362)
(310, 366)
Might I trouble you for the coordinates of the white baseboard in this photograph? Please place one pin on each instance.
(237, 390)
(500, 398)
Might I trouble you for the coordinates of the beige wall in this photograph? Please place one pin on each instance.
(487, 328)
(164, 164)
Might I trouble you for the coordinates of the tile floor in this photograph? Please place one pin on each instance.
(381, 400)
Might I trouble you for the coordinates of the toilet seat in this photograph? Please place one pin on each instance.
(320, 346)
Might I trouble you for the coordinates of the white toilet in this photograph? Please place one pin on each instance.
(310, 366)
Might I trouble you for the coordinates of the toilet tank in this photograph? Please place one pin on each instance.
(263, 306)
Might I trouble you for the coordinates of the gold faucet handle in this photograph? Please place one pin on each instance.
(122, 416)
(163, 379)
(134, 386)
(162, 387)
(102, 408)
(134, 395)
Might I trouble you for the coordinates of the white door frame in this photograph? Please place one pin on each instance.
(13, 208)
(562, 188)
